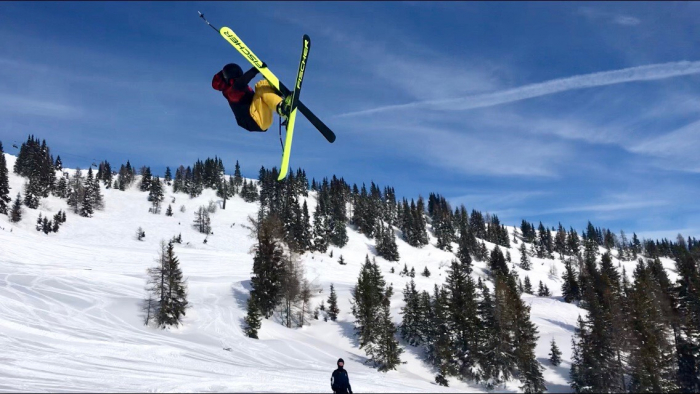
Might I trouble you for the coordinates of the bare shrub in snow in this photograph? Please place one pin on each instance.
(211, 208)
(201, 220)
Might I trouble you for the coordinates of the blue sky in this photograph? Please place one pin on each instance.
(554, 112)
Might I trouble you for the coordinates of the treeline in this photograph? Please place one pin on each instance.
(36, 163)
(468, 331)
(278, 283)
(639, 336)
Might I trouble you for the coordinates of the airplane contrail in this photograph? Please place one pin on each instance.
(632, 74)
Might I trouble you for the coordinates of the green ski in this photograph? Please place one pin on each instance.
(293, 108)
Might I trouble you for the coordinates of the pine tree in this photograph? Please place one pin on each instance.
(169, 211)
(440, 351)
(46, 225)
(76, 190)
(368, 295)
(527, 286)
(652, 361)
(155, 195)
(595, 362)
(497, 348)
(525, 340)
(494, 354)
(361, 216)
(554, 354)
(167, 288)
(462, 316)
(4, 184)
(16, 213)
(426, 273)
(145, 179)
(419, 222)
(105, 174)
(268, 265)
(86, 206)
(483, 252)
(31, 193)
(97, 198)
(341, 261)
(466, 242)
(385, 352)
(333, 309)
(321, 230)
(409, 329)
(168, 176)
(497, 262)
(386, 243)
(335, 196)
(237, 178)
(570, 288)
(61, 189)
(688, 298)
(524, 259)
(252, 319)
(305, 234)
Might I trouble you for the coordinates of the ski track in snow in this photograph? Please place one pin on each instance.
(70, 319)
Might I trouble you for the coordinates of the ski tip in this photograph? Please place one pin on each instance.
(307, 38)
(200, 13)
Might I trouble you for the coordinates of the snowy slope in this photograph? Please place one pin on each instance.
(70, 317)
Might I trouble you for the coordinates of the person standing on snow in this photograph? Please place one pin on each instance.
(340, 383)
(254, 109)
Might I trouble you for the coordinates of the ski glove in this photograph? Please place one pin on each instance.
(244, 80)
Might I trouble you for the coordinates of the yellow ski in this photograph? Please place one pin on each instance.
(233, 39)
(293, 109)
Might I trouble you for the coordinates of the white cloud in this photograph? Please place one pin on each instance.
(618, 19)
(670, 234)
(497, 198)
(626, 20)
(424, 74)
(466, 151)
(611, 207)
(679, 149)
(30, 106)
(641, 73)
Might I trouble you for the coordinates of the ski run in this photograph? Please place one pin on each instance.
(70, 319)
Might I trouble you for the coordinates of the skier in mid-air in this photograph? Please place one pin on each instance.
(254, 109)
(340, 383)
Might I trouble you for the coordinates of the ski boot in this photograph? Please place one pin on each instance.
(283, 109)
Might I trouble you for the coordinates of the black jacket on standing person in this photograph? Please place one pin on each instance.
(340, 383)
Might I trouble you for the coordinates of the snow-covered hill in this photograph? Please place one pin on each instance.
(70, 317)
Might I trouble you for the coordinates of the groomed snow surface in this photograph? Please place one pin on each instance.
(70, 317)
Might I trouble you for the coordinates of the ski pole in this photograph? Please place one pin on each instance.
(207, 22)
